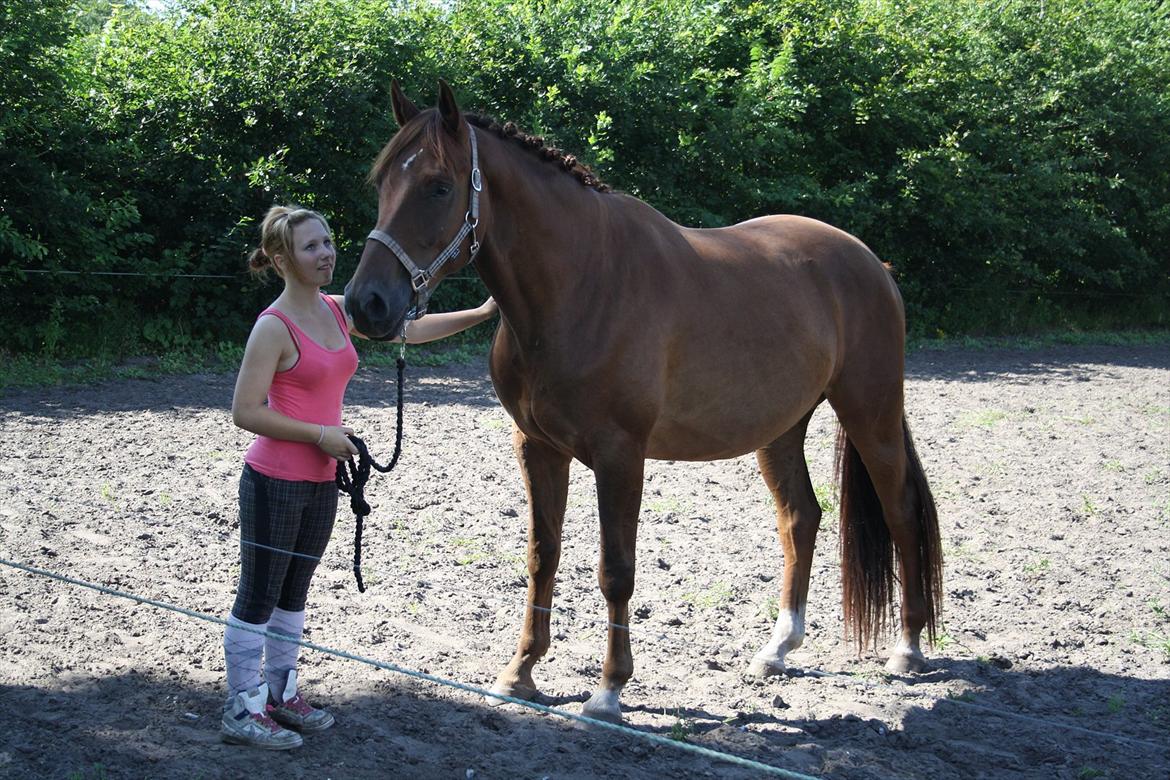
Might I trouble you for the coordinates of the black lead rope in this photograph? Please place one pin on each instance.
(353, 481)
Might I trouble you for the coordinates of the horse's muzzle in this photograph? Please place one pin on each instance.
(375, 314)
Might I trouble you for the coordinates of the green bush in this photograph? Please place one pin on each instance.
(1008, 159)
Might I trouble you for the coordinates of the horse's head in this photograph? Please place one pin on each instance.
(428, 200)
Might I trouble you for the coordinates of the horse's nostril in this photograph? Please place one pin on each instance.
(375, 307)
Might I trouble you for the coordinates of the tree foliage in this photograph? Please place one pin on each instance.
(1009, 159)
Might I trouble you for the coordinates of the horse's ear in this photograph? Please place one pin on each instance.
(404, 110)
(449, 109)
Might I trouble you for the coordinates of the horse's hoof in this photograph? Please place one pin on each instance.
(762, 666)
(906, 662)
(514, 691)
(603, 705)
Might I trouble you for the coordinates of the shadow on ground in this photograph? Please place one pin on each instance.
(1071, 722)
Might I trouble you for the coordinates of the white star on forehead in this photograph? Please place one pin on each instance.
(410, 159)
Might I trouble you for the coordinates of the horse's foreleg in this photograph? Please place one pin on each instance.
(798, 516)
(619, 473)
(546, 480)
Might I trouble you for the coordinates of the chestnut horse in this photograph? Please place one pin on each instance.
(624, 336)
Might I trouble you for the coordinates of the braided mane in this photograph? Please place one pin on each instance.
(430, 131)
(535, 145)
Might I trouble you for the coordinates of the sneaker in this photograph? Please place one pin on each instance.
(296, 713)
(247, 721)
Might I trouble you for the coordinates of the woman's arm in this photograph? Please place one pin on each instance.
(430, 327)
(267, 344)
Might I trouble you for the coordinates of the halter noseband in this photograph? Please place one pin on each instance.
(420, 279)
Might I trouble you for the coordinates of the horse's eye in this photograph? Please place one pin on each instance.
(440, 189)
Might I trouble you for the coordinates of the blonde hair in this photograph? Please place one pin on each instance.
(276, 237)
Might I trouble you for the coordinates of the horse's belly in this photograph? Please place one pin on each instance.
(727, 433)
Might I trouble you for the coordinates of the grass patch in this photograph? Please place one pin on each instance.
(25, 370)
(460, 349)
(664, 505)
(981, 418)
(718, 594)
(942, 642)
(681, 728)
(494, 421)
(960, 551)
(469, 550)
(1155, 640)
(1113, 338)
(826, 497)
(1036, 568)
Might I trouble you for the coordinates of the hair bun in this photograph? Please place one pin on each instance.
(258, 260)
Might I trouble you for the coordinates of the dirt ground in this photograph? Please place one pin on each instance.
(1051, 469)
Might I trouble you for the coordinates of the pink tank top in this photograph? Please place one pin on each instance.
(312, 391)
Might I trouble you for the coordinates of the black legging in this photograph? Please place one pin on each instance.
(280, 515)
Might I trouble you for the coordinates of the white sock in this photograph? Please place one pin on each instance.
(242, 651)
(281, 657)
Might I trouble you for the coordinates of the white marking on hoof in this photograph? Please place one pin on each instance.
(603, 705)
(787, 635)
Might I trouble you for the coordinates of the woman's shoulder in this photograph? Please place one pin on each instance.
(271, 327)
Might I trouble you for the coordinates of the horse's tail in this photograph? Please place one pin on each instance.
(867, 550)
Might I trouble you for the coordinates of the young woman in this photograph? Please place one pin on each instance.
(297, 363)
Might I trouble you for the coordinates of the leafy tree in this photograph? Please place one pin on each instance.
(1009, 159)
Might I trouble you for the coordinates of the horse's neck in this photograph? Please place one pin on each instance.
(542, 253)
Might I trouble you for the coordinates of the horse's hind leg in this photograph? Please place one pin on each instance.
(546, 479)
(883, 489)
(798, 516)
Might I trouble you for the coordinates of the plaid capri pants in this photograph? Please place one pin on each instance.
(277, 516)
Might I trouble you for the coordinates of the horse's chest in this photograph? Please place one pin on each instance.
(543, 406)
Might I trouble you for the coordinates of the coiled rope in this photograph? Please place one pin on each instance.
(352, 478)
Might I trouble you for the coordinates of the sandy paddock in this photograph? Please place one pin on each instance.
(1051, 469)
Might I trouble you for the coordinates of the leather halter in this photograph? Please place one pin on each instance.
(420, 278)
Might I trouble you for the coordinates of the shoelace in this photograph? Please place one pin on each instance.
(265, 720)
(298, 705)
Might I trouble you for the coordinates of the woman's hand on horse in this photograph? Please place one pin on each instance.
(335, 442)
(489, 308)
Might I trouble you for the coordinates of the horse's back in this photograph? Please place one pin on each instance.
(748, 326)
(793, 241)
